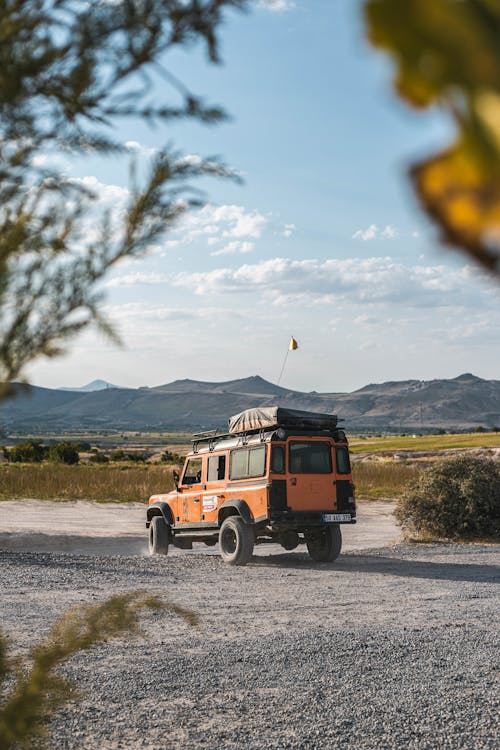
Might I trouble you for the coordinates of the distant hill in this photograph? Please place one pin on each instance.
(95, 385)
(463, 402)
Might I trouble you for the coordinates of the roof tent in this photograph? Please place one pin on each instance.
(276, 416)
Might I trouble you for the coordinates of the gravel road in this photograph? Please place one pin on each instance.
(392, 647)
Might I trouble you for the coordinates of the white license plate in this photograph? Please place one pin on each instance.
(336, 517)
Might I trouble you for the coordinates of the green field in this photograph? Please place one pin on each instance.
(425, 442)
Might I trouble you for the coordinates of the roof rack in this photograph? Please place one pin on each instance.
(202, 435)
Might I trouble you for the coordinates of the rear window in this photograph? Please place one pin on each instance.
(248, 462)
(343, 463)
(310, 458)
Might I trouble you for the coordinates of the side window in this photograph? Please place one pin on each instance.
(343, 464)
(257, 462)
(239, 464)
(192, 472)
(248, 462)
(278, 459)
(216, 468)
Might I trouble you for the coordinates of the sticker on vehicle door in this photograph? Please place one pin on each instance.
(209, 503)
(336, 517)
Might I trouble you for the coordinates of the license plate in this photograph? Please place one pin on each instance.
(336, 517)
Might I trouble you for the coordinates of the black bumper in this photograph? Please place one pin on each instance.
(305, 519)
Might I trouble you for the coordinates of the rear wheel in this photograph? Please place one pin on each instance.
(236, 541)
(158, 536)
(324, 544)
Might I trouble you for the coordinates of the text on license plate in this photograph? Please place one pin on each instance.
(336, 517)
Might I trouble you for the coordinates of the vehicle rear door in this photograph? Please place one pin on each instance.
(311, 480)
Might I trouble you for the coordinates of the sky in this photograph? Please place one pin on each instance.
(323, 241)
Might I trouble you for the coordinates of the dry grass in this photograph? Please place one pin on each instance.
(109, 483)
(377, 479)
(131, 483)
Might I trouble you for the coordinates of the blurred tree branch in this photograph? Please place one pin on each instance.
(447, 54)
(69, 69)
(37, 692)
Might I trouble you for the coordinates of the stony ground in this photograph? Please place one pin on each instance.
(394, 647)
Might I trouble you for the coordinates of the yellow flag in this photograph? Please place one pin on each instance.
(292, 345)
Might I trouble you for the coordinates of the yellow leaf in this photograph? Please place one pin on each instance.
(463, 196)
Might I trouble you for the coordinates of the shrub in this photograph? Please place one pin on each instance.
(99, 458)
(457, 499)
(172, 458)
(82, 446)
(63, 453)
(28, 452)
(120, 455)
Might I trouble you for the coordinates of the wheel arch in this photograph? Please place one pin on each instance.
(160, 508)
(236, 507)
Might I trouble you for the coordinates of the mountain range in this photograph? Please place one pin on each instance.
(463, 402)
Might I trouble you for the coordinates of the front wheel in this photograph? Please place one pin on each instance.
(236, 540)
(324, 544)
(158, 536)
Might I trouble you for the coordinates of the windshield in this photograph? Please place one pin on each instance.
(310, 458)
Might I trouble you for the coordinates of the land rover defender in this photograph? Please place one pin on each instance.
(278, 475)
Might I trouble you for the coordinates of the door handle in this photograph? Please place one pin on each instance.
(196, 499)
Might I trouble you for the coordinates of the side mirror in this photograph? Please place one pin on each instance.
(176, 477)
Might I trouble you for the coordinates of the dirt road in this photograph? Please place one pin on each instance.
(389, 647)
(91, 528)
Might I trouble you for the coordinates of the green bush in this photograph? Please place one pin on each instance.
(172, 458)
(99, 458)
(63, 453)
(120, 455)
(457, 499)
(28, 452)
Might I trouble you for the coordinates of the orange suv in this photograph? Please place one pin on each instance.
(277, 476)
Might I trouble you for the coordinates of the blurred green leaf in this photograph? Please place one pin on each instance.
(447, 54)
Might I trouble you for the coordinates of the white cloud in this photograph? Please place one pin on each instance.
(370, 281)
(139, 277)
(288, 230)
(235, 247)
(115, 195)
(215, 224)
(277, 5)
(389, 232)
(140, 148)
(366, 234)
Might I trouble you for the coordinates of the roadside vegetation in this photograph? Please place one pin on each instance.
(377, 480)
(122, 482)
(100, 482)
(132, 474)
(454, 499)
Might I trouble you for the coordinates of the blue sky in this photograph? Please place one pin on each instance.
(324, 241)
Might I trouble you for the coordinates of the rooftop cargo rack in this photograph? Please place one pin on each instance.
(265, 419)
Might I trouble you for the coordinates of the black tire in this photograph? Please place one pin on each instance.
(324, 544)
(236, 541)
(158, 536)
